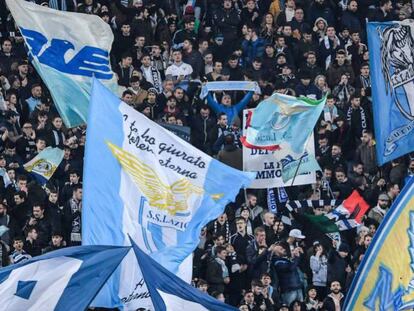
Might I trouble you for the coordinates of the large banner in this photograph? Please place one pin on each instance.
(391, 48)
(385, 277)
(143, 181)
(268, 165)
(67, 49)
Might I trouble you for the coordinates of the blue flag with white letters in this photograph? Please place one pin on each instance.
(67, 279)
(65, 55)
(143, 180)
(391, 56)
(169, 292)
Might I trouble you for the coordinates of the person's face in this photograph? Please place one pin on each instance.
(171, 103)
(311, 59)
(208, 59)
(127, 61)
(27, 128)
(73, 178)
(222, 255)
(355, 37)
(2, 210)
(226, 101)
(353, 6)
(33, 234)
(203, 46)
(257, 65)
(17, 200)
(24, 69)
(126, 29)
(56, 240)
(6, 46)
(244, 308)
(37, 92)
(305, 81)
(220, 241)
(177, 56)
(296, 306)
(287, 31)
(146, 61)
(340, 177)
(257, 290)
(172, 27)
(269, 219)
(205, 113)
(330, 32)
(279, 250)
(37, 212)
(105, 18)
(366, 138)
(312, 293)
(172, 120)
(251, 5)
(233, 63)
(249, 298)
(266, 280)
(227, 4)
(241, 225)
(299, 15)
(356, 102)
(365, 71)
(135, 85)
(280, 41)
(127, 98)
(269, 51)
(53, 197)
(330, 102)
(335, 151)
(245, 214)
(78, 194)
(395, 190)
(253, 201)
(367, 240)
(179, 94)
(18, 245)
(218, 67)
(151, 97)
(260, 237)
(278, 226)
(57, 122)
(12, 174)
(335, 287)
(388, 6)
(340, 58)
(203, 288)
(147, 111)
(22, 183)
(327, 173)
(372, 229)
(269, 19)
(383, 203)
(186, 45)
(321, 82)
(190, 26)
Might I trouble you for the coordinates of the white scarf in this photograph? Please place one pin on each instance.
(328, 47)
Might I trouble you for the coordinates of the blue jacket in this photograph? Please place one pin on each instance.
(253, 49)
(287, 273)
(231, 111)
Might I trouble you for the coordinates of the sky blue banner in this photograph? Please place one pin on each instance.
(169, 292)
(391, 48)
(66, 279)
(293, 167)
(65, 55)
(43, 165)
(144, 181)
(282, 122)
(385, 277)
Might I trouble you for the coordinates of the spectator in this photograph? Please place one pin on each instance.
(217, 272)
(257, 254)
(335, 300)
(19, 254)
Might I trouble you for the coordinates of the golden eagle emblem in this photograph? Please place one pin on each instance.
(172, 199)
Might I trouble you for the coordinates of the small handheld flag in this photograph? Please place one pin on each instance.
(44, 164)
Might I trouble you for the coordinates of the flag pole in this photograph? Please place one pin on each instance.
(300, 160)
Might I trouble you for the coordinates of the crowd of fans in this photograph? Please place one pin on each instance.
(163, 52)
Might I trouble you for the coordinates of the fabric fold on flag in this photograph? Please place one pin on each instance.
(153, 186)
(282, 122)
(65, 55)
(293, 167)
(169, 292)
(67, 279)
(44, 165)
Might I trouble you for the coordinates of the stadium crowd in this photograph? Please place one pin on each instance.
(163, 51)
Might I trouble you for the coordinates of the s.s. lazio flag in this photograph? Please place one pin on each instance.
(293, 167)
(44, 164)
(282, 122)
(140, 179)
(67, 49)
(385, 277)
(391, 56)
(169, 292)
(67, 279)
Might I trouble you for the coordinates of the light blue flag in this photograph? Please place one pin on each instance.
(282, 122)
(65, 55)
(392, 78)
(67, 279)
(230, 86)
(43, 166)
(293, 167)
(169, 292)
(143, 180)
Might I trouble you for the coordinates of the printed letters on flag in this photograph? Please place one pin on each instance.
(391, 56)
(143, 180)
(385, 277)
(65, 55)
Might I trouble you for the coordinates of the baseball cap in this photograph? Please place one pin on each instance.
(296, 233)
